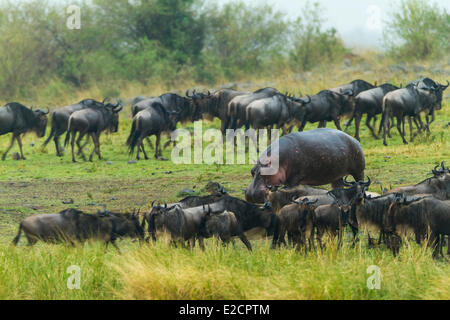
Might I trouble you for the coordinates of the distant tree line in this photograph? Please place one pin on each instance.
(164, 40)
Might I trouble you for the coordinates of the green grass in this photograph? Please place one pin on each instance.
(43, 181)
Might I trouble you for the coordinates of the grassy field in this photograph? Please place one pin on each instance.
(42, 182)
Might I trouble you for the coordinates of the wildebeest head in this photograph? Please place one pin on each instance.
(41, 121)
(354, 192)
(440, 171)
(115, 109)
(201, 103)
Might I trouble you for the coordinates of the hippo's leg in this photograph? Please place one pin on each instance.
(338, 183)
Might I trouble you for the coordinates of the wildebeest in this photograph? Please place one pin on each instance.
(332, 220)
(314, 158)
(281, 197)
(297, 220)
(276, 110)
(74, 226)
(357, 86)
(18, 119)
(216, 105)
(420, 216)
(238, 105)
(327, 106)
(223, 225)
(153, 120)
(183, 223)
(60, 120)
(370, 102)
(438, 185)
(406, 102)
(92, 121)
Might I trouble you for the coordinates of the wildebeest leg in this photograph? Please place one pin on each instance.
(201, 243)
(369, 241)
(358, 117)
(372, 129)
(10, 146)
(410, 129)
(95, 147)
(433, 242)
(355, 236)
(401, 121)
(80, 148)
(57, 146)
(72, 144)
(158, 146)
(349, 122)
(19, 141)
(337, 123)
(245, 241)
(322, 124)
(143, 150)
(150, 143)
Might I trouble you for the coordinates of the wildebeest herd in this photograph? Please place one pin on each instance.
(264, 108)
(304, 213)
(282, 201)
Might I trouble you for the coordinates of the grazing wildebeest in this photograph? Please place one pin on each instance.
(153, 120)
(314, 158)
(419, 216)
(327, 106)
(297, 220)
(223, 225)
(331, 219)
(60, 120)
(438, 185)
(18, 119)
(370, 102)
(405, 102)
(92, 121)
(281, 197)
(216, 105)
(276, 110)
(73, 226)
(238, 105)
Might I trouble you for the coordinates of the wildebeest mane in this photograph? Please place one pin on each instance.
(20, 111)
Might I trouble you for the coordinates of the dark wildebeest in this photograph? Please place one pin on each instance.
(153, 120)
(184, 223)
(357, 86)
(281, 197)
(406, 102)
(73, 226)
(297, 220)
(418, 216)
(92, 121)
(238, 105)
(331, 219)
(223, 225)
(438, 185)
(60, 120)
(370, 102)
(18, 119)
(327, 106)
(438, 89)
(314, 158)
(216, 105)
(277, 110)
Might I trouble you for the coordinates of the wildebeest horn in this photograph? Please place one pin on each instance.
(346, 183)
(153, 203)
(309, 100)
(104, 100)
(443, 165)
(308, 203)
(445, 87)
(209, 93)
(48, 111)
(368, 182)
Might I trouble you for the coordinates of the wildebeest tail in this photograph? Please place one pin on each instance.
(383, 117)
(17, 238)
(133, 137)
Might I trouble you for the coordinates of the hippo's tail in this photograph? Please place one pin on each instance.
(17, 238)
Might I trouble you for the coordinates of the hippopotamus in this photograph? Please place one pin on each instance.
(314, 158)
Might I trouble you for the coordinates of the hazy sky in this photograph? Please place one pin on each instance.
(359, 22)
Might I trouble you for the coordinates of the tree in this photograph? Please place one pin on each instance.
(418, 30)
